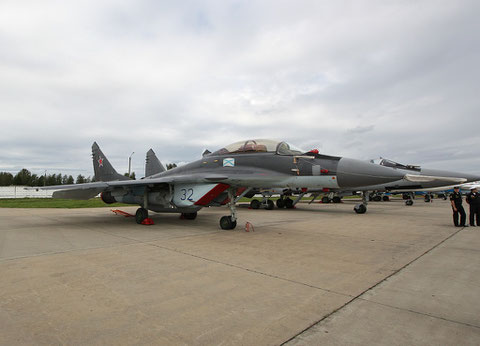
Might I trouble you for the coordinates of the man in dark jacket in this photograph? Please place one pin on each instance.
(456, 201)
(473, 199)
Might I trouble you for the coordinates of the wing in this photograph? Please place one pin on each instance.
(238, 178)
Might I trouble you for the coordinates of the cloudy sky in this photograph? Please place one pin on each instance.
(398, 79)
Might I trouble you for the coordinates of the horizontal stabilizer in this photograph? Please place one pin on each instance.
(428, 178)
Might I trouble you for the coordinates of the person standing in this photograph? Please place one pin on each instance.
(473, 199)
(457, 207)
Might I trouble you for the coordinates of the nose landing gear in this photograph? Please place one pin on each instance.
(230, 222)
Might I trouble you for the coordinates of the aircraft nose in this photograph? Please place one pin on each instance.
(353, 173)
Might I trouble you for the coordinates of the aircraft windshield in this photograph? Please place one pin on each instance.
(393, 164)
(259, 146)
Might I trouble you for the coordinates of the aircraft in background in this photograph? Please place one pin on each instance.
(420, 180)
(223, 177)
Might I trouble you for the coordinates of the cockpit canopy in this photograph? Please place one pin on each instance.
(393, 164)
(260, 146)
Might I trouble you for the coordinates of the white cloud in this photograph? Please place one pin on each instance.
(363, 79)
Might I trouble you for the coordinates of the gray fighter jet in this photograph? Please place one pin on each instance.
(223, 177)
(418, 179)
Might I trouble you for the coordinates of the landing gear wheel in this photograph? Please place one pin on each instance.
(254, 204)
(280, 203)
(227, 223)
(288, 203)
(377, 198)
(386, 198)
(336, 199)
(427, 198)
(408, 202)
(141, 215)
(269, 205)
(360, 208)
(189, 216)
(325, 199)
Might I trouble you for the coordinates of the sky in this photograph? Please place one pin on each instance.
(363, 79)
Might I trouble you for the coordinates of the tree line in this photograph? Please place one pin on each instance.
(26, 178)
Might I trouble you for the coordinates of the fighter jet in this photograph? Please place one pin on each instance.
(223, 177)
(418, 179)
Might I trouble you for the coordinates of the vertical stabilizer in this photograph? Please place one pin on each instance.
(104, 171)
(153, 164)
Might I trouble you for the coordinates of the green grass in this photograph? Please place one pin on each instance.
(55, 203)
(91, 203)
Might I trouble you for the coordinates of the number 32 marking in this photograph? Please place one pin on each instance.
(186, 194)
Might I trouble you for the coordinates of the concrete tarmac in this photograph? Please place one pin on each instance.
(319, 274)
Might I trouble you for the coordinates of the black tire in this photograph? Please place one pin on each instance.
(227, 223)
(325, 199)
(337, 199)
(280, 203)
(408, 202)
(269, 205)
(360, 209)
(377, 198)
(255, 204)
(141, 215)
(427, 198)
(288, 203)
(190, 216)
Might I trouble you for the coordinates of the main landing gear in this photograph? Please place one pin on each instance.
(408, 197)
(362, 207)
(269, 205)
(189, 216)
(141, 215)
(285, 203)
(230, 222)
(266, 203)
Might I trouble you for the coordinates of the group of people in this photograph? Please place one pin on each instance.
(473, 200)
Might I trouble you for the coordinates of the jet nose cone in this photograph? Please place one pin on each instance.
(354, 173)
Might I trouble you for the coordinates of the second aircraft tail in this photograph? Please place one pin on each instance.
(153, 164)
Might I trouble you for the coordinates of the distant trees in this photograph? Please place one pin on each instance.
(80, 179)
(132, 175)
(25, 177)
(6, 179)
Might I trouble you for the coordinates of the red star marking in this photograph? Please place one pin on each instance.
(100, 162)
